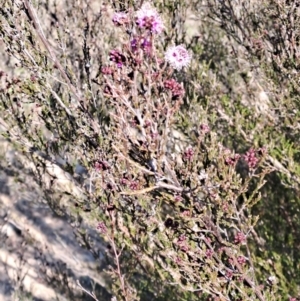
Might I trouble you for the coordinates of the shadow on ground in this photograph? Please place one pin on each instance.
(40, 258)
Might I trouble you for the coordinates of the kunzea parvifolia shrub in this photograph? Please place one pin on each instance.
(170, 204)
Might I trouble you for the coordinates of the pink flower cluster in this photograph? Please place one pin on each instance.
(120, 19)
(117, 57)
(240, 238)
(209, 253)
(147, 17)
(231, 159)
(101, 227)
(250, 158)
(241, 260)
(141, 43)
(182, 243)
(176, 89)
(134, 185)
(101, 165)
(178, 57)
(188, 154)
(204, 128)
(107, 70)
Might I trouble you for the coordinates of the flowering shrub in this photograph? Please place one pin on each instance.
(177, 161)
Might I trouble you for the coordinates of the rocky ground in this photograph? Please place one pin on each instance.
(40, 259)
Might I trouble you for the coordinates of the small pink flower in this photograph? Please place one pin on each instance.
(221, 249)
(101, 227)
(186, 213)
(250, 158)
(229, 274)
(101, 165)
(225, 206)
(134, 185)
(204, 128)
(181, 238)
(141, 43)
(241, 260)
(188, 154)
(231, 159)
(147, 123)
(148, 18)
(178, 57)
(153, 135)
(123, 181)
(207, 239)
(240, 238)
(176, 88)
(120, 19)
(107, 70)
(184, 248)
(178, 198)
(209, 253)
(117, 57)
(182, 243)
(178, 260)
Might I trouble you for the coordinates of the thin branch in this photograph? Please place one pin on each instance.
(59, 101)
(86, 291)
(33, 17)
